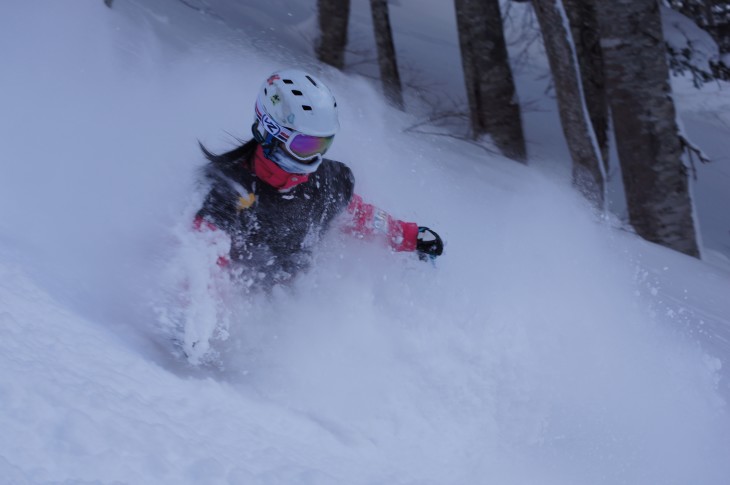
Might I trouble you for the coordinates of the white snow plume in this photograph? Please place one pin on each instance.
(529, 354)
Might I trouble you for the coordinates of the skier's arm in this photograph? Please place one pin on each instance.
(369, 221)
(218, 210)
(215, 217)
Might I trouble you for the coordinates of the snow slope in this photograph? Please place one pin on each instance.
(544, 348)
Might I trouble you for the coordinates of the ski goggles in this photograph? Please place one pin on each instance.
(299, 145)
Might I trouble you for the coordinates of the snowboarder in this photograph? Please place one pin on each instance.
(275, 195)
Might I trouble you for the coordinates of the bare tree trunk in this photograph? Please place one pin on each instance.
(584, 27)
(490, 89)
(588, 168)
(645, 125)
(709, 15)
(386, 52)
(333, 18)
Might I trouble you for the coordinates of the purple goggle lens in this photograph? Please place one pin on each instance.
(306, 147)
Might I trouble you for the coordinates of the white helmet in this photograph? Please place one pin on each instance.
(300, 102)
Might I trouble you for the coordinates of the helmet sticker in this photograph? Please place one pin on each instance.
(274, 77)
(275, 99)
(290, 118)
(270, 125)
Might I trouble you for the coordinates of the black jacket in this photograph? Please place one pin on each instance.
(272, 233)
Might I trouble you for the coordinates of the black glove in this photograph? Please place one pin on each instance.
(429, 244)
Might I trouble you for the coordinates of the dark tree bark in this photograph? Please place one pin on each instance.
(333, 18)
(584, 27)
(644, 120)
(387, 61)
(588, 168)
(490, 89)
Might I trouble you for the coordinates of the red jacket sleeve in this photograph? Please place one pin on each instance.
(370, 221)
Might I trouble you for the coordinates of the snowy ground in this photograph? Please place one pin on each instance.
(544, 348)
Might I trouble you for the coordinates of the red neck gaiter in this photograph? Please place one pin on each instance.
(274, 175)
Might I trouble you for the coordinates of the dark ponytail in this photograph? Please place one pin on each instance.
(230, 159)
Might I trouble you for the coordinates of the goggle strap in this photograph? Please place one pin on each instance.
(257, 132)
(259, 137)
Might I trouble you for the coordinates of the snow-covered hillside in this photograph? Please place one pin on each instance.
(544, 347)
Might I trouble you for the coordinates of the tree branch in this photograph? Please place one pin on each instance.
(693, 149)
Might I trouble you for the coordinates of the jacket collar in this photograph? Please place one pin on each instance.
(272, 174)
